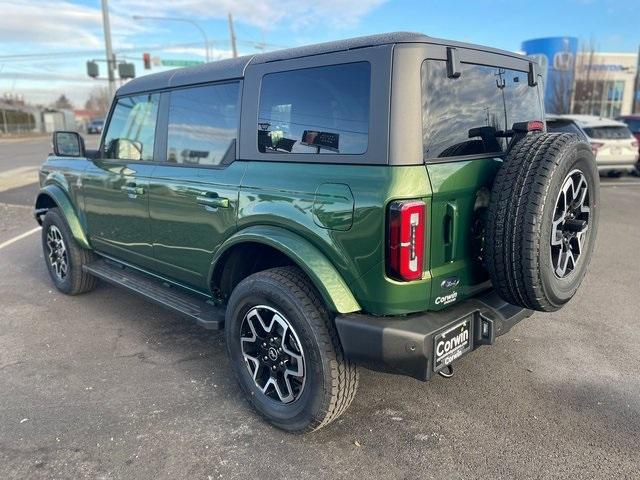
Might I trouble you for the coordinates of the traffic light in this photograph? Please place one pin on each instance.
(146, 58)
(126, 70)
(92, 69)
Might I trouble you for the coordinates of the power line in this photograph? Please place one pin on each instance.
(19, 57)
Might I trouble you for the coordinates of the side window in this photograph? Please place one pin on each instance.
(132, 128)
(461, 116)
(322, 110)
(203, 124)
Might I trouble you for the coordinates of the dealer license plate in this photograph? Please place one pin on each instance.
(451, 344)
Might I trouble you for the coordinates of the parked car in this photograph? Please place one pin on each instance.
(356, 202)
(633, 122)
(95, 126)
(613, 144)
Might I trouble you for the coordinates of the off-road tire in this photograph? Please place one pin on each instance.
(77, 281)
(520, 218)
(331, 379)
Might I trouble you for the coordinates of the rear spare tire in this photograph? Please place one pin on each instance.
(542, 220)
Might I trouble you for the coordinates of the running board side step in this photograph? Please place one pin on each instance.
(203, 312)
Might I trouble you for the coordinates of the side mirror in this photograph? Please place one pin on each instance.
(68, 144)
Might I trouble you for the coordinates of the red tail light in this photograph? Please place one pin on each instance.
(595, 146)
(405, 247)
(535, 126)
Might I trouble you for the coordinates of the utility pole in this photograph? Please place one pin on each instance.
(232, 33)
(636, 94)
(111, 59)
(4, 121)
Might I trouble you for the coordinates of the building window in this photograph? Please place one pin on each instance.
(599, 97)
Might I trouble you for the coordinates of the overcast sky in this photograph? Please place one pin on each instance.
(71, 31)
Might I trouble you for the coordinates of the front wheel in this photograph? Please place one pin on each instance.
(285, 351)
(64, 257)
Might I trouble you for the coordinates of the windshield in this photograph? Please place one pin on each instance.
(608, 133)
(461, 116)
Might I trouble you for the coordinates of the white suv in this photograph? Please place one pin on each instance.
(612, 142)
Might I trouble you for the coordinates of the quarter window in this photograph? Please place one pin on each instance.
(203, 124)
(461, 116)
(132, 128)
(321, 110)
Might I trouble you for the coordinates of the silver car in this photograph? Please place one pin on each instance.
(613, 144)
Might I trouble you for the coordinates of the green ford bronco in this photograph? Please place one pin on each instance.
(391, 201)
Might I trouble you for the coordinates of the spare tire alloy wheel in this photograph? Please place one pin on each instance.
(273, 354)
(570, 224)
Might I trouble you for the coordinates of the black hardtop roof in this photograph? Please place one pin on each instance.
(234, 68)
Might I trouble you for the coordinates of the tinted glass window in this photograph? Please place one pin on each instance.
(634, 124)
(203, 124)
(608, 133)
(461, 116)
(132, 128)
(563, 126)
(315, 110)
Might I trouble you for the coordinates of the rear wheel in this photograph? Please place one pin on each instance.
(285, 351)
(64, 257)
(542, 221)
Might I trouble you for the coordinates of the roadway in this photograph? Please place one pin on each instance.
(106, 385)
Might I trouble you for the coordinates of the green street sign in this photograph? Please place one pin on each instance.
(180, 63)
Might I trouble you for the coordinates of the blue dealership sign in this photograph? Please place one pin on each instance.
(557, 57)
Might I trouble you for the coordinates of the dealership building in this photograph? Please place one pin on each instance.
(585, 81)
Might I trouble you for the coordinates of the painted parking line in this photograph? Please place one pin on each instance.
(18, 177)
(620, 184)
(19, 237)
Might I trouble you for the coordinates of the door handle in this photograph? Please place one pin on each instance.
(132, 190)
(451, 231)
(215, 202)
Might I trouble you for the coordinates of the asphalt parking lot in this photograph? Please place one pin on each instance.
(106, 385)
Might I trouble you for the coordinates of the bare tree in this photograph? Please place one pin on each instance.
(63, 102)
(561, 92)
(99, 100)
(590, 81)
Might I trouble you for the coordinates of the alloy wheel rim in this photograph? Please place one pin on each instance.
(273, 354)
(57, 252)
(570, 224)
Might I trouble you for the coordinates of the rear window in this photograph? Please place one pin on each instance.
(608, 133)
(460, 116)
(564, 126)
(321, 110)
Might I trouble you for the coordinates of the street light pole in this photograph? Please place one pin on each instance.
(176, 19)
(111, 59)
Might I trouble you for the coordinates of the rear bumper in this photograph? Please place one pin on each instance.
(404, 344)
(625, 167)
